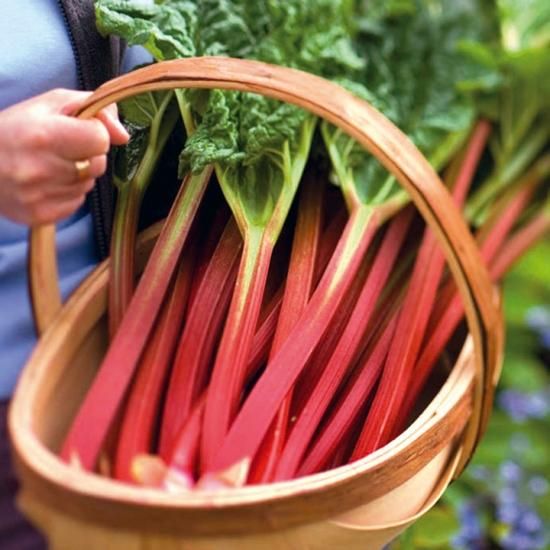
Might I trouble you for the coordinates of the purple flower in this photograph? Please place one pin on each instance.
(518, 541)
(538, 403)
(538, 485)
(509, 512)
(481, 473)
(511, 472)
(471, 534)
(530, 522)
(521, 406)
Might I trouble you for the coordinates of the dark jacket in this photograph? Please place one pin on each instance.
(97, 59)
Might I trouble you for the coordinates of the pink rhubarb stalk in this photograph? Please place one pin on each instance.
(261, 223)
(228, 375)
(414, 316)
(128, 205)
(262, 404)
(184, 456)
(342, 420)
(298, 288)
(445, 323)
(91, 425)
(142, 411)
(200, 336)
(346, 350)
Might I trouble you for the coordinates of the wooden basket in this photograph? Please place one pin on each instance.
(360, 505)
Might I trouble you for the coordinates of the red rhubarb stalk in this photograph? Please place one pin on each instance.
(261, 222)
(519, 243)
(313, 371)
(355, 398)
(298, 288)
(414, 316)
(183, 457)
(263, 338)
(510, 253)
(314, 368)
(342, 420)
(228, 375)
(104, 398)
(444, 323)
(214, 225)
(128, 205)
(200, 336)
(142, 411)
(494, 230)
(262, 404)
(346, 350)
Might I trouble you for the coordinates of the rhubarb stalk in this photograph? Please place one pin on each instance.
(198, 342)
(260, 223)
(153, 112)
(298, 288)
(104, 398)
(142, 411)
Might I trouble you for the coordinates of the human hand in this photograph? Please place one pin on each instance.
(39, 146)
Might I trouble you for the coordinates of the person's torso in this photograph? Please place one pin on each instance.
(37, 56)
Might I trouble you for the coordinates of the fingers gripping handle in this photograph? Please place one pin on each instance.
(375, 133)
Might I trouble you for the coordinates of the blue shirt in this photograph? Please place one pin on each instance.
(36, 57)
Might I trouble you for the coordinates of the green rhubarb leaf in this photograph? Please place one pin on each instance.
(249, 138)
(141, 110)
(165, 29)
(128, 158)
(143, 115)
(230, 27)
(521, 105)
(414, 73)
(258, 144)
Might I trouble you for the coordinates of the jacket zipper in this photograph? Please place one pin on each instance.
(93, 198)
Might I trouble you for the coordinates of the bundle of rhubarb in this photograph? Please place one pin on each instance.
(295, 313)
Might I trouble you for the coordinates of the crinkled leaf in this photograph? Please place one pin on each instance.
(412, 74)
(165, 29)
(230, 27)
(249, 137)
(240, 132)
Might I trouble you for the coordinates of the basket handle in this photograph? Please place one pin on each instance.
(376, 134)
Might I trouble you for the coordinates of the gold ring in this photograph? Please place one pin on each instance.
(82, 168)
